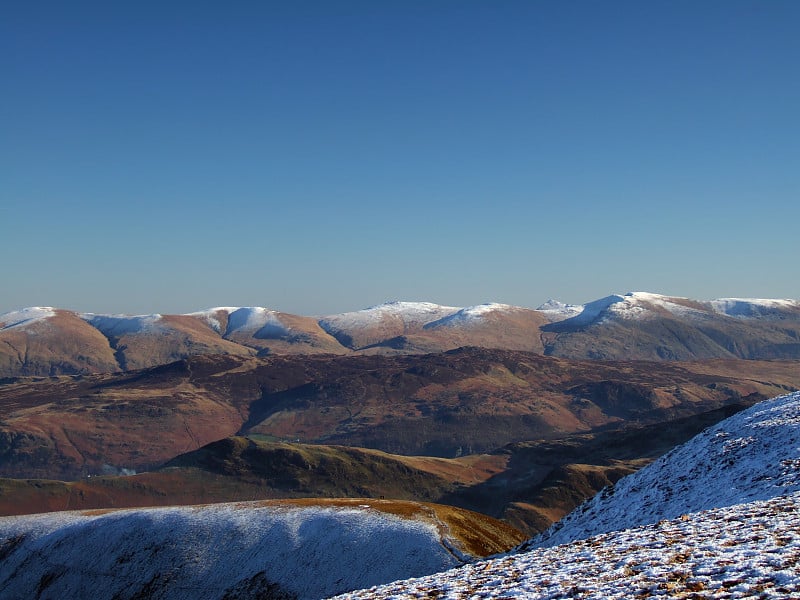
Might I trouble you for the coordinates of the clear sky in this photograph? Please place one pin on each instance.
(316, 157)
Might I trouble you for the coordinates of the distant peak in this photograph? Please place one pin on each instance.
(26, 316)
(408, 305)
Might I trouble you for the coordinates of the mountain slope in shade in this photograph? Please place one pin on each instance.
(309, 549)
(754, 455)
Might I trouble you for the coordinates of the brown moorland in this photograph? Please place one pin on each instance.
(466, 401)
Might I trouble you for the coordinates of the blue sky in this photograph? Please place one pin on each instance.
(315, 157)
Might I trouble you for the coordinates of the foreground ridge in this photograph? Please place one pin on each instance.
(298, 550)
(741, 551)
(719, 516)
(753, 455)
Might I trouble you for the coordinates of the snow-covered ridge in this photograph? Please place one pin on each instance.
(210, 551)
(412, 315)
(744, 551)
(754, 455)
(646, 305)
(264, 322)
(118, 325)
(26, 316)
(718, 517)
(754, 307)
(633, 305)
(471, 315)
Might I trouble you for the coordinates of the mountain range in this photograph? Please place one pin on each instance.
(43, 341)
(516, 413)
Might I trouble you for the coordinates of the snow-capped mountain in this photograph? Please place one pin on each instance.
(635, 326)
(717, 517)
(304, 550)
(26, 316)
(427, 327)
(646, 326)
(646, 305)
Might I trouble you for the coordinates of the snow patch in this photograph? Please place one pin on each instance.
(596, 311)
(755, 308)
(471, 315)
(210, 316)
(26, 316)
(255, 321)
(411, 314)
(558, 311)
(119, 325)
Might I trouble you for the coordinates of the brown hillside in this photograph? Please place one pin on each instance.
(62, 344)
(461, 402)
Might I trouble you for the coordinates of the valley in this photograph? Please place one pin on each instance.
(461, 402)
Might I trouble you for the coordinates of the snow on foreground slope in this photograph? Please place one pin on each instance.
(242, 550)
(754, 455)
(746, 470)
(742, 551)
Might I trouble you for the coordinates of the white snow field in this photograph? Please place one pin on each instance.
(244, 550)
(650, 536)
